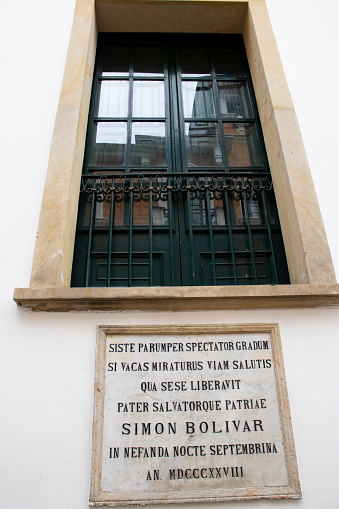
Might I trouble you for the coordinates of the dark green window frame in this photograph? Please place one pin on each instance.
(194, 206)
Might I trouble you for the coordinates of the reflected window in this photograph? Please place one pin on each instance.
(148, 144)
(148, 99)
(109, 144)
(198, 99)
(113, 100)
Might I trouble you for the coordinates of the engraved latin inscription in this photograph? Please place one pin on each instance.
(196, 411)
(188, 413)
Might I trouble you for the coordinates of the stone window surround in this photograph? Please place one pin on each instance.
(313, 282)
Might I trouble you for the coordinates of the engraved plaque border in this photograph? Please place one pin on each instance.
(291, 490)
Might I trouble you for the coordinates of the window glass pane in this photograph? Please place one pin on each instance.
(202, 144)
(254, 212)
(121, 212)
(198, 99)
(113, 100)
(148, 61)
(148, 144)
(160, 213)
(242, 145)
(228, 62)
(141, 213)
(102, 212)
(199, 211)
(234, 100)
(217, 208)
(194, 62)
(148, 99)
(115, 61)
(108, 144)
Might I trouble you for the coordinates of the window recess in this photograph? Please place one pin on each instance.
(176, 188)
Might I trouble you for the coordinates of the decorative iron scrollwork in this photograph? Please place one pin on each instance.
(144, 187)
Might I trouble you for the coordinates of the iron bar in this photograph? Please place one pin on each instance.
(249, 231)
(170, 225)
(230, 234)
(150, 228)
(130, 241)
(210, 231)
(90, 233)
(110, 239)
(269, 232)
(190, 237)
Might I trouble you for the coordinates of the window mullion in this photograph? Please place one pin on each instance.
(218, 110)
(129, 114)
(179, 126)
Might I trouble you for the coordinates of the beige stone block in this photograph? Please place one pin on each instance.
(264, 59)
(317, 255)
(77, 58)
(189, 298)
(155, 16)
(49, 249)
(287, 213)
(53, 254)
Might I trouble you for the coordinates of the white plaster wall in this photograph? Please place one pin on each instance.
(47, 360)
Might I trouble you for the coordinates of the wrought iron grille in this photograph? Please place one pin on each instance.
(138, 230)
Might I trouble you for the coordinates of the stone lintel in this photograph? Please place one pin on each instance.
(178, 298)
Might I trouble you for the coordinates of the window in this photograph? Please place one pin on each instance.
(312, 277)
(176, 188)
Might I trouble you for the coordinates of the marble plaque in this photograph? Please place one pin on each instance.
(191, 413)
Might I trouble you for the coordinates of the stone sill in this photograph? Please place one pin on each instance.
(178, 298)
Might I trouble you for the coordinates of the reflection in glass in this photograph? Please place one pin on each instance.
(202, 144)
(121, 210)
(253, 211)
(102, 213)
(199, 211)
(115, 61)
(113, 99)
(234, 100)
(242, 145)
(148, 60)
(194, 62)
(160, 213)
(228, 62)
(108, 145)
(198, 99)
(148, 146)
(141, 213)
(218, 212)
(148, 99)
